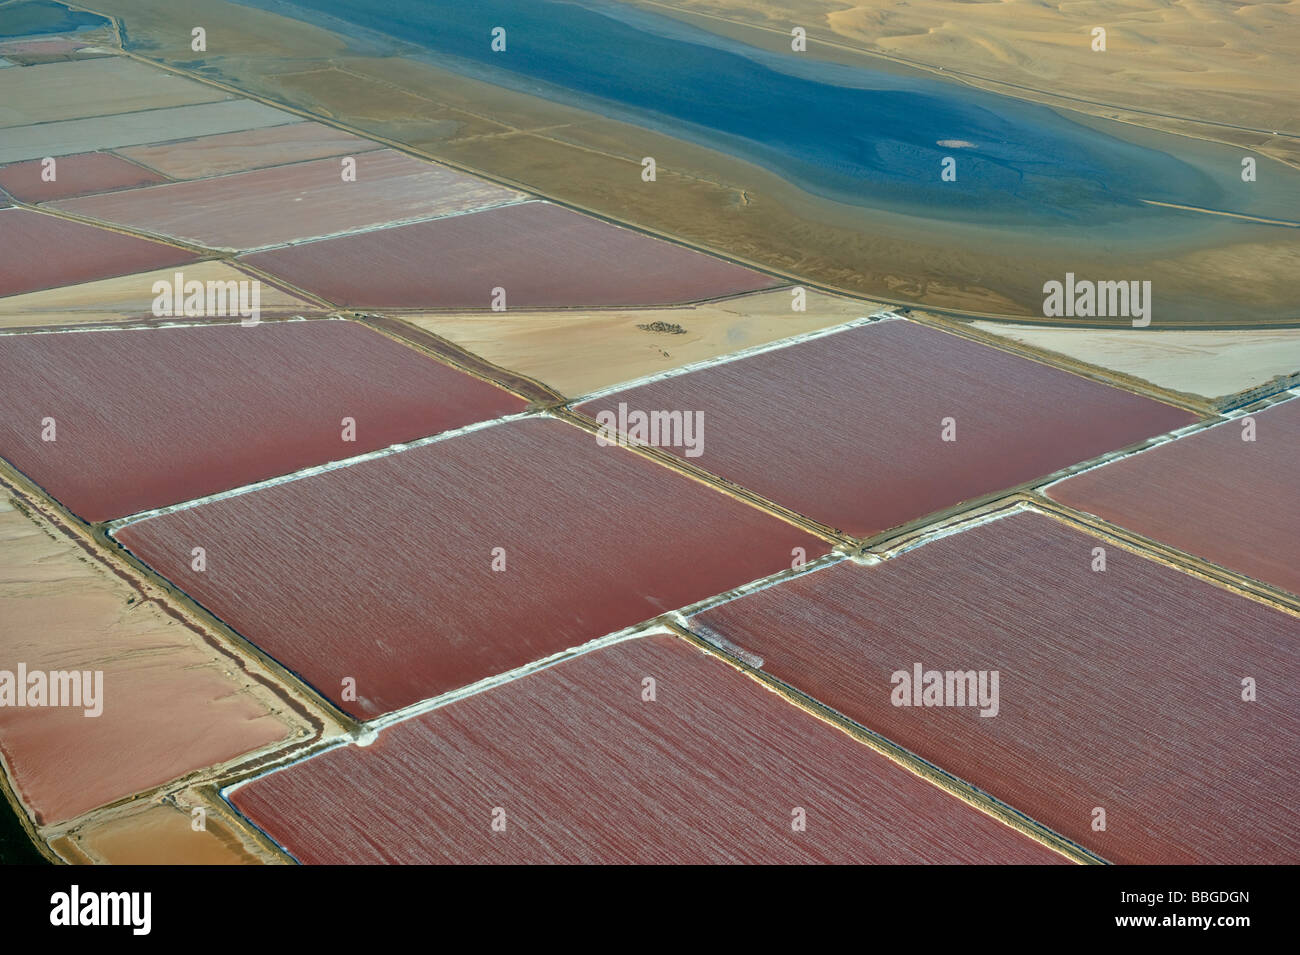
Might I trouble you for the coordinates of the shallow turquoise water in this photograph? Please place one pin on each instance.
(38, 17)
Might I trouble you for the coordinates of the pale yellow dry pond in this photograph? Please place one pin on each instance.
(579, 352)
(161, 834)
(130, 298)
(1206, 364)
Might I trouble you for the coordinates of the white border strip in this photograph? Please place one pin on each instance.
(112, 527)
(369, 731)
(958, 525)
(522, 199)
(372, 727)
(1223, 418)
(157, 326)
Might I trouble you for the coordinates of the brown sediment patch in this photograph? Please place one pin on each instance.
(251, 149)
(44, 251)
(130, 129)
(1218, 368)
(95, 87)
(241, 404)
(542, 256)
(581, 351)
(171, 703)
(1210, 494)
(266, 207)
(160, 834)
(848, 429)
(74, 176)
(130, 298)
(402, 597)
(370, 100)
(582, 768)
(661, 327)
(1153, 730)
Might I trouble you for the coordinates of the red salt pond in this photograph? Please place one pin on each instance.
(1212, 494)
(268, 206)
(573, 764)
(540, 254)
(74, 176)
(424, 571)
(146, 418)
(42, 251)
(1118, 690)
(848, 429)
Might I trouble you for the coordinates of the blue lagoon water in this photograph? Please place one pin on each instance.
(40, 17)
(861, 136)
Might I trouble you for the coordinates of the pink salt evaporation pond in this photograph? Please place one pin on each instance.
(74, 176)
(541, 254)
(43, 251)
(247, 149)
(165, 702)
(430, 569)
(848, 429)
(265, 207)
(1120, 689)
(147, 418)
(1211, 494)
(580, 768)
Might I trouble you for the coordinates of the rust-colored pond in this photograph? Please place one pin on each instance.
(111, 422)
(851, 429)
(576, 763)
(1120, 690)
(396, 579)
